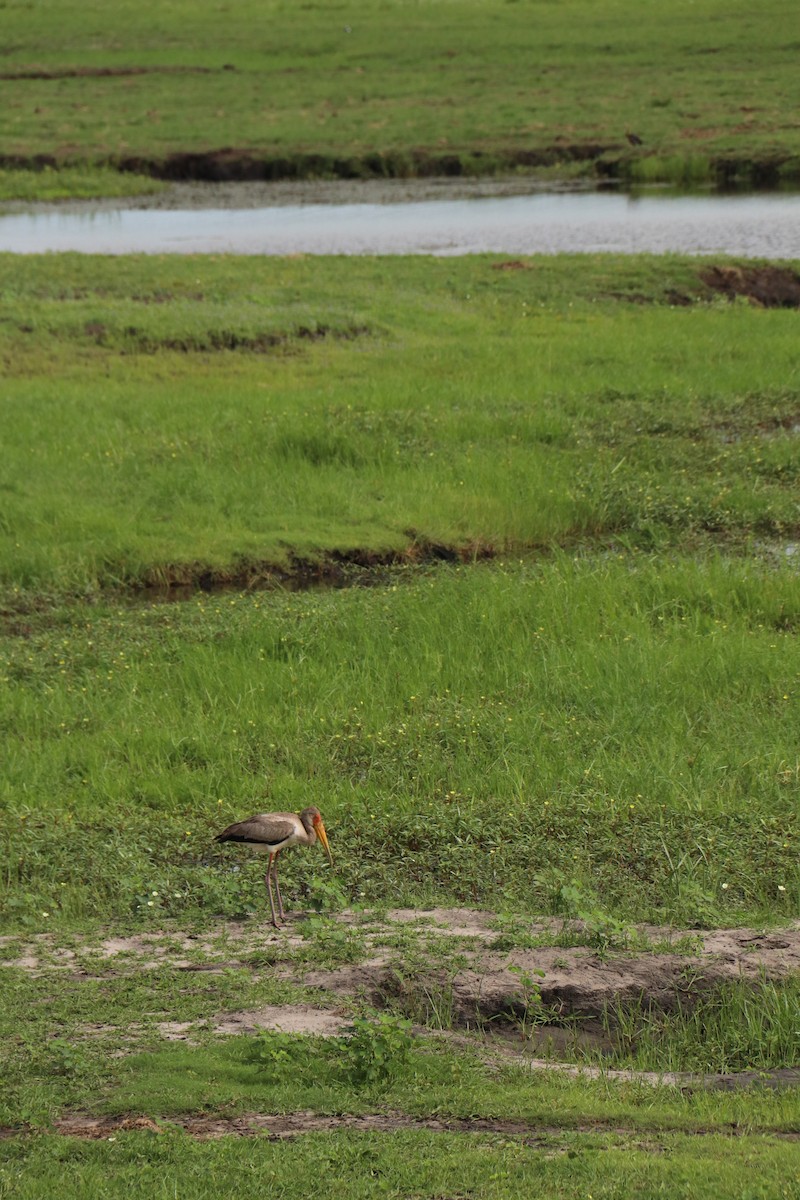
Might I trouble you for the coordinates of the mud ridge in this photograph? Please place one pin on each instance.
(290, 1125)
(610, 162)
(138, 341)
(763, 286)
(239, 165)
(44, 73)
(334, 568)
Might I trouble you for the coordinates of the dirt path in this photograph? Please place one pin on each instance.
(556, 1138)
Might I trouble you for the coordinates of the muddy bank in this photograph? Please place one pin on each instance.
(613, 160)
(188, 195)
(233, 164)
(765, 287)
(457, 961)
(467, 959)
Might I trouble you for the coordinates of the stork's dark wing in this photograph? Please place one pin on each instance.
(264, 829)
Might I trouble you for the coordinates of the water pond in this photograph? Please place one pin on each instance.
(391, 222)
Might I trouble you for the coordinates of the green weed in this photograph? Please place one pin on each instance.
(377, 1049)
(372, 1052)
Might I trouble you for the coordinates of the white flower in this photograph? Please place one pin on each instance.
(724, 887)
(781, 888)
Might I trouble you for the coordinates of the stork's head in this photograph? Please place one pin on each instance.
(313, 817)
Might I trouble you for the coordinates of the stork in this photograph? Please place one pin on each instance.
(269, 833)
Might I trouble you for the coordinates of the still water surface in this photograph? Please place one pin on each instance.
(752, 226)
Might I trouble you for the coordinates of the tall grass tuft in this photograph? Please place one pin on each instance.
(738, 1026)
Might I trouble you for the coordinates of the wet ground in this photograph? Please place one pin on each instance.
(441, 217)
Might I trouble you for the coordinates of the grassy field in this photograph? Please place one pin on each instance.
(390, 88)
(559, 676)
(176, 421)
(175, 416)
(486, 735)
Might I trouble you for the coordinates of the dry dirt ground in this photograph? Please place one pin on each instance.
(459, 956)
(464, 955)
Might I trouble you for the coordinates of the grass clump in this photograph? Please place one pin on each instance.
(83, 182)
(738, 1026)
(371, 1053)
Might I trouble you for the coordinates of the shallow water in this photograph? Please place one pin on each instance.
(765, 226)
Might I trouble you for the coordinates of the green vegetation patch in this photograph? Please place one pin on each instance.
(73, 183)
(402, 1165)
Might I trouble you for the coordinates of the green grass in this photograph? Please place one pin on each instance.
(567, 1135)
(72, 183)
(622, 724)
(738, 1027)
(385, 88)
(403, 1165)
(600, 723)
(619, 724)
(166, 418)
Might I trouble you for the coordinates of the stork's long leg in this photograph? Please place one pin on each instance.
(268, 881)
(278, 888)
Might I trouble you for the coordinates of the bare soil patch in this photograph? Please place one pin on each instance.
(295, 1018)
(480, 974)
(764, 286)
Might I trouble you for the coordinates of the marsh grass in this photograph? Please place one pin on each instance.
(172, 421)
(498, 84)
(73, 183)
(682, 170)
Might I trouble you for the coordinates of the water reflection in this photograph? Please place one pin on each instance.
(753, 226)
